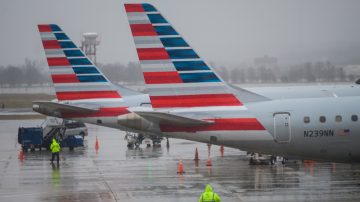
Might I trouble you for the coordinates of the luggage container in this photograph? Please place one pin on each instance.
(30, 138)
(72, 141)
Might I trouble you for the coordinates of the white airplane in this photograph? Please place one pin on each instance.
(83, 92)
(190, 101)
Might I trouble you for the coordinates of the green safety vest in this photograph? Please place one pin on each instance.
(207, 200)
(55, 147)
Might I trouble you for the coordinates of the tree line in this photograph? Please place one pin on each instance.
(29, 74)
(33, 73)
(307, 72)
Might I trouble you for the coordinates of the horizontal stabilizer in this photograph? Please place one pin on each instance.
(56, 109)
(248, 96)
(171, 119)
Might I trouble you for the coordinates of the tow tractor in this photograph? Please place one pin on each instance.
(69, 133)
(136, 139)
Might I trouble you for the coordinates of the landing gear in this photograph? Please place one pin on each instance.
(156, 140)
(272, 160)
(258, 159)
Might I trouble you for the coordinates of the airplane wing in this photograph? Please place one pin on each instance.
(172, 119)
(55, 109)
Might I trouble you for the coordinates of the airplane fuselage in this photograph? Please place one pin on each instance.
(313, 128)
(317, 128)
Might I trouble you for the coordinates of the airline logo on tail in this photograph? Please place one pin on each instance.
(77, 80)
(179, 80)
(75, 77)
(175, 75)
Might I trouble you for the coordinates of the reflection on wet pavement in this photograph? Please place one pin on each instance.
(116, 173)
(56, 178)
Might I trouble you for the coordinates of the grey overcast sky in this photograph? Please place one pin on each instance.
(226, 32)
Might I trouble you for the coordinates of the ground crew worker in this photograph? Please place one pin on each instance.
(209, 195)
(55, 149)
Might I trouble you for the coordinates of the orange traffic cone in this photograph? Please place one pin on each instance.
(208, 162)
(196, 155)
(21, 155)
(97, 144)
(181, 168)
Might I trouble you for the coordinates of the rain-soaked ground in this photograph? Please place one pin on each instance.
(116, 173)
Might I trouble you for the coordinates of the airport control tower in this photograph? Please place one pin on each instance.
(89, 44)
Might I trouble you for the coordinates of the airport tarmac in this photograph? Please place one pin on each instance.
(116, 173)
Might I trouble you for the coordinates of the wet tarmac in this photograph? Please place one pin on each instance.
(115, 173)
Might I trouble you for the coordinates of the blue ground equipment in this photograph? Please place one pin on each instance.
(30, 137)
(73, 141)
(34, 137)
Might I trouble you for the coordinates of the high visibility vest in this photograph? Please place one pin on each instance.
(212, 200)
(55, 147)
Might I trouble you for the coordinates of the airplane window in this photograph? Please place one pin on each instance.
(322, 119)
(338, 118)
(306, 119)
(354, 117)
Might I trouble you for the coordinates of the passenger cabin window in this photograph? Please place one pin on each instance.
(354, 118)
(338, 118)
(322, 119)
(306, 119)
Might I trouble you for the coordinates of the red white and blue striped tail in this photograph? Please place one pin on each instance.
(175, 75)
(74, 75)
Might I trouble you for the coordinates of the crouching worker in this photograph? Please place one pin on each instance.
(209, 195)
(55, 150)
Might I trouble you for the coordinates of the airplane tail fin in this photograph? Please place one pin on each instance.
(74, 75)
(174, 73)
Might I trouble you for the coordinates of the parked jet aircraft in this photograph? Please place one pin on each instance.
(190, 101)
(83, 92)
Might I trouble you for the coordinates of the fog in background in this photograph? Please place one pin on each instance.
(257, 40)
